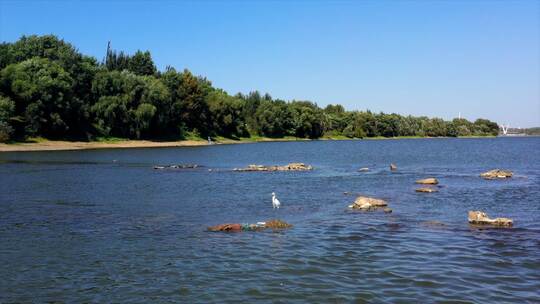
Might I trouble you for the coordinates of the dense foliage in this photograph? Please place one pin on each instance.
(533, 131)
(49, 89)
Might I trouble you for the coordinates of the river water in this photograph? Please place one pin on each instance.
(104, 226)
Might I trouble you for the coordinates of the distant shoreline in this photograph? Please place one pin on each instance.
(63, 145)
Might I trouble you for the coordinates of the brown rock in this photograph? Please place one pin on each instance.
(368, 203)
(480, 218)
(393, 167)
(272, 224)
(428, 181)
(426, 190)
(277, 224)
(226, 227)
(497, 174)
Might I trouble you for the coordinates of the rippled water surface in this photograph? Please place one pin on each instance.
(103, 226)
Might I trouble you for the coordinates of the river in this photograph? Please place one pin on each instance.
(104, 226)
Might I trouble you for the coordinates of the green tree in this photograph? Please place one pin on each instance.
(7, 111)
(226, 113)
(308, 119)
(42, 90)
(142, 64)
(274, 119)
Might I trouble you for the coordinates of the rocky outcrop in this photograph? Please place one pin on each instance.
(184, 166)
(368, 203)
(235, 227)
(428, 181)
(289, 167)
(426, 190)
(393, 167)
(480, 218)
(497, 174)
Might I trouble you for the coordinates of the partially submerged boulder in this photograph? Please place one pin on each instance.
(481, 218)
(277, 224)
(236, 227)
(428, 181)
(226, 227)
(289, 167)
(426, 190)
(393, 167)
(497, 174)
(387, 210)
(368, 203)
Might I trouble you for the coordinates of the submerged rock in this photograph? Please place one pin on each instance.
(497, 174)
(433, 224)
(289, 167)
(393, 167)
(426, 190)
(387, 210)
(236, 227)
(480, 218)
(428, 181)
(363, 170)
(368, 203)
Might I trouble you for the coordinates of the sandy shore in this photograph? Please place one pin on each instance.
(58, 145)
(80, 145)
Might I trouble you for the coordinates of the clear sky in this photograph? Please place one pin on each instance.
(433, 58)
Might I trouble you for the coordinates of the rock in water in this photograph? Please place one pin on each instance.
(387, 210)
(182, 166)
(497, 174)
(236, 227)
(368, 203)
(433, 224)
(297, 167)
(277, 224)
(363, 170)
(428, 181)
(226, 227)
(426, 190)
(393, 167)
(480, 218)
(289, 167)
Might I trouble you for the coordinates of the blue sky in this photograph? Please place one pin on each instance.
(433, 58)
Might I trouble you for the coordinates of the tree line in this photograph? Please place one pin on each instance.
(49, 89)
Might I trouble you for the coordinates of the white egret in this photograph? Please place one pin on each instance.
(275, 201)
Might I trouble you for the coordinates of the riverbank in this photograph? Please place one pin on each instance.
(40, 144)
